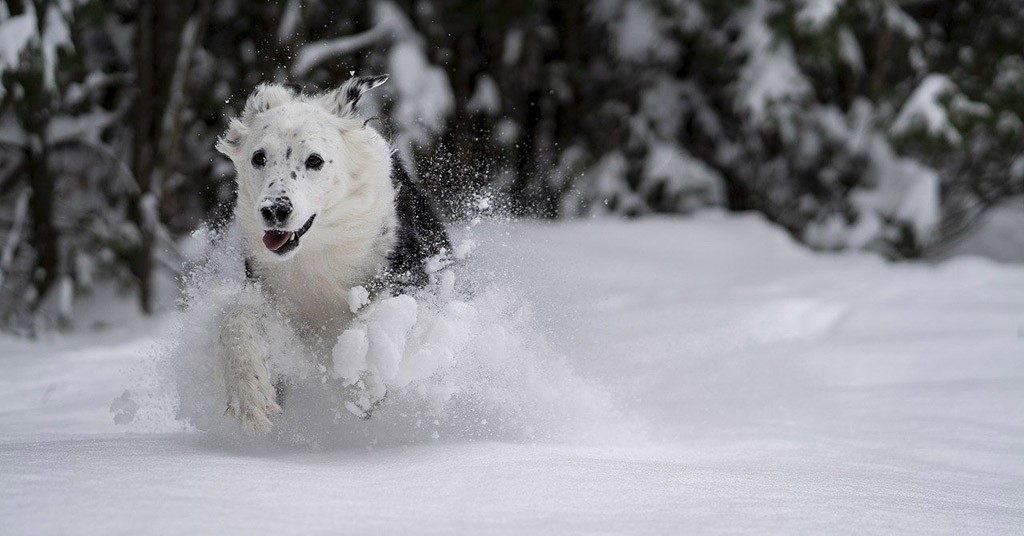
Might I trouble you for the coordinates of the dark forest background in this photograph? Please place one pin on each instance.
(876, 124)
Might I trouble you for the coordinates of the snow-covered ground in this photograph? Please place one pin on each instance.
(997, 235)
(712, 377)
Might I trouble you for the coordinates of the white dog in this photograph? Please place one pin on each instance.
(323, 206)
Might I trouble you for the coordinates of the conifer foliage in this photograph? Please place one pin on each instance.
(880, 124)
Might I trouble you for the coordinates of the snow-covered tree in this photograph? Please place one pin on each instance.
(880, 124)
(61, 175)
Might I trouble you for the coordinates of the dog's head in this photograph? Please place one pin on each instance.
(299, 159)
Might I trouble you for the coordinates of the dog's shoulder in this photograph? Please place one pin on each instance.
(421, 233)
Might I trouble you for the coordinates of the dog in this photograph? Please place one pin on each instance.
(324, 206)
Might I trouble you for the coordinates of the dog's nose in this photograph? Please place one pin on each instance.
(275, 210)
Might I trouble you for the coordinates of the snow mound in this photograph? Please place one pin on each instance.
(462, 359)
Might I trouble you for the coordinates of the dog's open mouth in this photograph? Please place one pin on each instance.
(282, 242)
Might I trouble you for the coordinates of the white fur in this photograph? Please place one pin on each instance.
(351, 236)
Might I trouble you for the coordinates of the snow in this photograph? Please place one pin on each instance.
(16, 34)
(711, 377)
(641, 31)
(900, 21)
(905, 190)
(606, 188)
(688, 182)
(290, 19)
(55, 36)
(770, 74)
(997, 236)
(816, 14)
(85, 127)
(486, 97)
(20, 32)
(313, 54)
(513, 47)
(659, 105)
(425, 96)
(357, 298)
(638, 34)
(924, 109)
(850, 51)
(389, 23)
(898, 190)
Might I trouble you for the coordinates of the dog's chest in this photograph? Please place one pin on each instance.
(313, 289)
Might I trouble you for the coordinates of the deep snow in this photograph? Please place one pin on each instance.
(717, 378)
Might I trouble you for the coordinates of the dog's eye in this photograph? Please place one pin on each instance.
(259, 158)
(314, 162)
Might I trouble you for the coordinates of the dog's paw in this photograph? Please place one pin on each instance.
(253, 403)
(254, 420)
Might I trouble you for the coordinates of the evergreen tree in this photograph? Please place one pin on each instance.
(871, 124)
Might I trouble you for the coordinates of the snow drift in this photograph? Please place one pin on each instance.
(780, 390)
(462, 358)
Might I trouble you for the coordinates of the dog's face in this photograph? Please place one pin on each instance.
(297, 158)
(293, 163)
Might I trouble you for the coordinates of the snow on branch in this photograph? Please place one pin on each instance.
(23, 31)
(86, 127)
(925, 109)
(770, 74)
(313, 54)
(389, 24)
(290, 19)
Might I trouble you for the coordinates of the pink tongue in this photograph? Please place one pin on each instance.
(275, 239)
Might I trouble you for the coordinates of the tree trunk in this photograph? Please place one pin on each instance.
(159, 35)
(140, 259)
(44, 233)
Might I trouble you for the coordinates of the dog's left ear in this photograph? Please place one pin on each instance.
(343, 101)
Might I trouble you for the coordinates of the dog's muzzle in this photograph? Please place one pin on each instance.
(281, 242)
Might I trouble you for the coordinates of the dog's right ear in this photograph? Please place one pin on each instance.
(231, 141)
(263, 98)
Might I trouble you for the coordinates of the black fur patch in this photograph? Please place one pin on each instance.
(354, 89)
(420, 234)
(353, 93)
(250, 270)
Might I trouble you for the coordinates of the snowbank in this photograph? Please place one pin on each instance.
(460, 359)
(780, 391)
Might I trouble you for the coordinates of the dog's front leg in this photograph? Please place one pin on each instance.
(243, 351)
